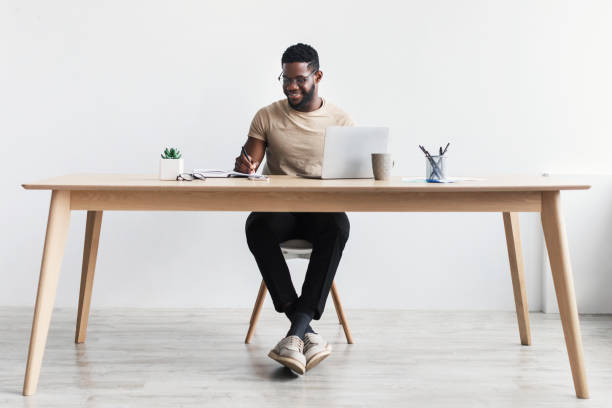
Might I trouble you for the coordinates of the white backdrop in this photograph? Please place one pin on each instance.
(515, 86)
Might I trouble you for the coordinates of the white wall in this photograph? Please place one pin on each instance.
(515, 86)
(588, 221)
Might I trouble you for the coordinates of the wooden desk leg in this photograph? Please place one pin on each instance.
(90, 254)
(55, 241)
(517, 271)
(558, 254)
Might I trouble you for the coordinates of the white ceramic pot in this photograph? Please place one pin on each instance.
(170, 168)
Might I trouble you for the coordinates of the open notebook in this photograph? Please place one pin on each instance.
(212, 173)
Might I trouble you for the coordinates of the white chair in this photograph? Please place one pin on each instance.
(292, 249)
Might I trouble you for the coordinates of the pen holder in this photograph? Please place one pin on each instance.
(435, 168)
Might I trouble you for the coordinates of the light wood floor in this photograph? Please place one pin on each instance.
(195, 358)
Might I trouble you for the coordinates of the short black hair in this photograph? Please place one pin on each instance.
(302, 53)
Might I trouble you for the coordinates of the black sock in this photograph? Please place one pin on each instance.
(299, 324)
(309, 329)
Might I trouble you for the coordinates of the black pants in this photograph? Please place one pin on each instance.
(328, 233)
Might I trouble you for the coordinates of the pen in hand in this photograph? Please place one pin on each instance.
(248, 158)
(246, 155)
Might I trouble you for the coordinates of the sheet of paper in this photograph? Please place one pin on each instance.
(217, 173)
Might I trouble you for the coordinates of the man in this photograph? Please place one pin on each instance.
(291, 131)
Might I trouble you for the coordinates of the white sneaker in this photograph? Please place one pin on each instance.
(315, 349)
(290, 353)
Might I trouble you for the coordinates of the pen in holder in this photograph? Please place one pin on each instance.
(435, 168)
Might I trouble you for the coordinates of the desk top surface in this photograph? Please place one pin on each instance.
(148, 182)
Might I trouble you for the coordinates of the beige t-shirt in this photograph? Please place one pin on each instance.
(294, 140)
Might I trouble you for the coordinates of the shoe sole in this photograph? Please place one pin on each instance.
(317, 358)
(290, 363)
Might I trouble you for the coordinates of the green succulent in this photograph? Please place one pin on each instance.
(171, 153)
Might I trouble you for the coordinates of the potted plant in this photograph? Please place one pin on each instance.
(171, 164)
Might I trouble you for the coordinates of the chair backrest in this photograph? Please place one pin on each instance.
(296, 248)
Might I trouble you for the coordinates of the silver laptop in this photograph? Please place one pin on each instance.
(347, 151)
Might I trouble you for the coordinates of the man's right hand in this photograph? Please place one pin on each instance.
(256, 150)
(243, 166)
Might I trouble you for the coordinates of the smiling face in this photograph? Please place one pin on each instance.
(301, 85)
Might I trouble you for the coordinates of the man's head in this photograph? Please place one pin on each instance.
(301, 75)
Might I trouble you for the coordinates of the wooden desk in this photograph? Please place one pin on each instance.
(509, 195)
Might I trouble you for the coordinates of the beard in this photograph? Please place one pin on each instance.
(306, 99)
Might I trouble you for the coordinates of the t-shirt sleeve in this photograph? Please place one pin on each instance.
(259, 126)
(344, 119)
(347, 121)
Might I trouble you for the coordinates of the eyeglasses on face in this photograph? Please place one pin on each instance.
(300, 80)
